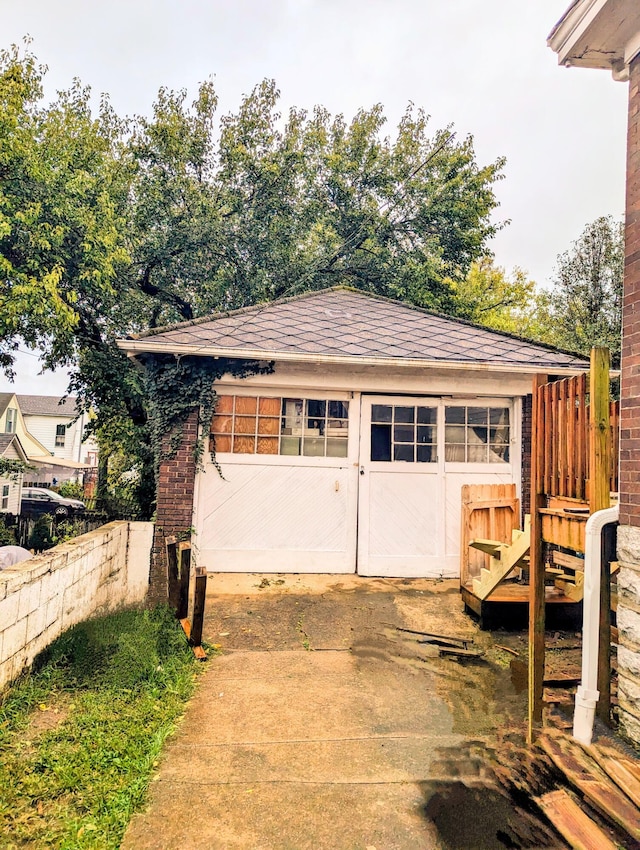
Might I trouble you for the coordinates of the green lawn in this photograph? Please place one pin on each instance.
(81, 734)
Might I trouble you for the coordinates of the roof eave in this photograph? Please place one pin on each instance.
(136, 347)
(587, 36)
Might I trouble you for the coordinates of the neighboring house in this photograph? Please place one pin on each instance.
(57, 425)
(351, 455)
(51, 435)
(11, 485)
(606, 34)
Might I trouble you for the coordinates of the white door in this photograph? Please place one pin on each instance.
(292, 508)
(415, 455)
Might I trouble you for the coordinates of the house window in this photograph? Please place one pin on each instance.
(476, 434)
(10, 420)
(60, 434)
(285, 426)
(401, 432)
(4, 503)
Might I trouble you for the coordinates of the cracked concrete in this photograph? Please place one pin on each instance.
(321, 727)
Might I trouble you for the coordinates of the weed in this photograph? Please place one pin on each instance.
(306, 643)
(115, 688)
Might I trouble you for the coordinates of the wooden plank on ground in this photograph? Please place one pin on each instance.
(619, 768)
(574, 825)
(584, 774)
(198, 651)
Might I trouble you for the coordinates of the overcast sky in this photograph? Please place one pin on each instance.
(481, 65)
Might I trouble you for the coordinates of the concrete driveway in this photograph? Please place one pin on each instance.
(323, 727)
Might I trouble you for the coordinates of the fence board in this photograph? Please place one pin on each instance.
(489, 512)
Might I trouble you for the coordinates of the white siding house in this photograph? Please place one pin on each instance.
(11, 485)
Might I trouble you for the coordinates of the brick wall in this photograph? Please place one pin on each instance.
(526, 455)
(46, 595)
(630, 383)
(628, 615)
(174, 511)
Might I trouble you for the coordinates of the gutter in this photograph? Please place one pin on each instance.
(588, 694)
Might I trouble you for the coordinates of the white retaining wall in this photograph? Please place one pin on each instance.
(97, 572)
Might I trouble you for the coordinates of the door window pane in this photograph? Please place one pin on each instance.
(404, 414)
(397, 441)
(381, 442)
(381, 413)
(477, 434)
(403, 452)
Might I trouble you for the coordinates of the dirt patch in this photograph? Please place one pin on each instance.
(48, 716)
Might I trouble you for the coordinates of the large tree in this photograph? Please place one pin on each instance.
(138, 223)
(585, 301)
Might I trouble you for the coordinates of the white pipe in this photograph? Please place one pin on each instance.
(587, 694)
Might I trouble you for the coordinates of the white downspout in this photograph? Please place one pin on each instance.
(587, 694)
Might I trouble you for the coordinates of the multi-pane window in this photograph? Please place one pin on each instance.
(61, 430)
(4, 502)
(10, 420)
(476, 434)
(314, 428)
(286, 426)
(401, 432)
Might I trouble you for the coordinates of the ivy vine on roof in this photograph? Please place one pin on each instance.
(176, 385)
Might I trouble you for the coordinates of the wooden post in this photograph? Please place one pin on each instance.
(599, 498)
(536, 565)
(184, 559)
(198, 606)
(599, 431)
(172, 573)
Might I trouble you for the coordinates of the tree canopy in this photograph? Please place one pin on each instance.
(585, 302)
(110, 226)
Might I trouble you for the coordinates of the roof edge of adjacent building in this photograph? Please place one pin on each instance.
(599, 34)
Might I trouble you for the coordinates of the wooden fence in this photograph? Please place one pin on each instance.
(574, 468)
(490, 512)
(564, 416)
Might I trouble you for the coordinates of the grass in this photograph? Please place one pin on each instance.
(81, 734)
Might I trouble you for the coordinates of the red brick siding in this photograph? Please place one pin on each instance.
(174, 511)
(630, 384)
(526, 454)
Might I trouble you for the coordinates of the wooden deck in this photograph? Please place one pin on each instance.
(506, 601)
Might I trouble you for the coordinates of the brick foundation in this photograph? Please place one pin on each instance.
(174, 511)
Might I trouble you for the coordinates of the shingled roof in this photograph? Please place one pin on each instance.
(47, 405)
(346, 325)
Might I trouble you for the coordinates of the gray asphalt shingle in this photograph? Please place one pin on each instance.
(347, 323)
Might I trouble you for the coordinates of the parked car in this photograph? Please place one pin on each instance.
(37, 501)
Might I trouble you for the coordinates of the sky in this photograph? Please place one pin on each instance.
(481, 65)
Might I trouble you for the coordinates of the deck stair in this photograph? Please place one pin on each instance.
(503, 559)
(567, 574)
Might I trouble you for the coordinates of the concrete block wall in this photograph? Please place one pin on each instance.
(95, 573)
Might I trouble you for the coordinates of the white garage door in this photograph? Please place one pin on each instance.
(320, 484)
(415, 455)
